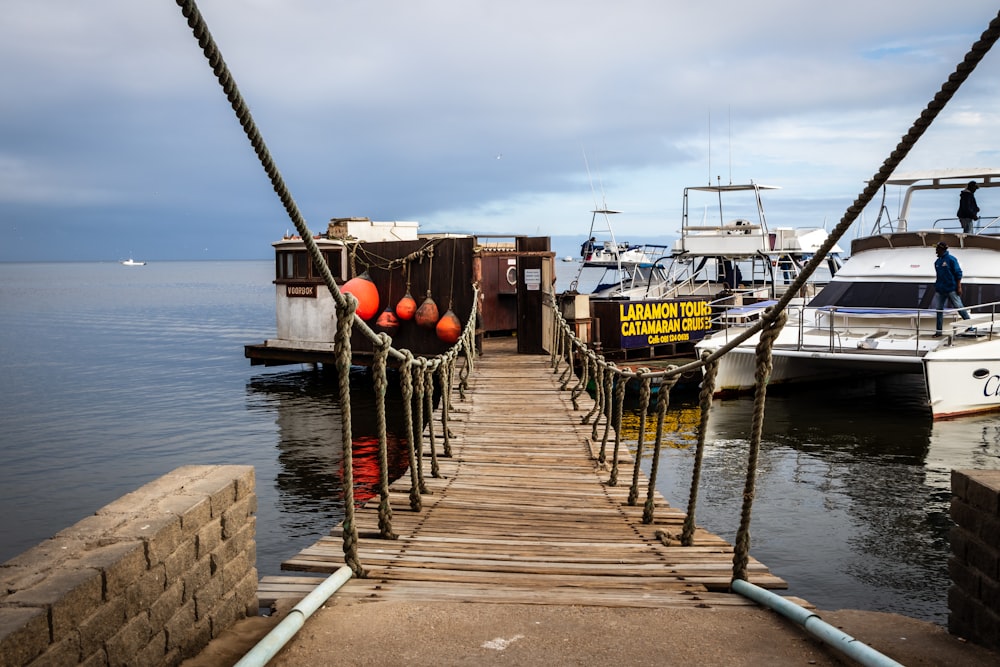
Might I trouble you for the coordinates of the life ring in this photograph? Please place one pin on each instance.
(511, 275)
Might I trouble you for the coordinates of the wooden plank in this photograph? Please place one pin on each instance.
(522, 513)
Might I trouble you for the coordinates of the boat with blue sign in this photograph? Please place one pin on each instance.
(650, 302)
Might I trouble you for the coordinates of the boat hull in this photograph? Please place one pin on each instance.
(737, 369)
(958, 380)
(963, 381)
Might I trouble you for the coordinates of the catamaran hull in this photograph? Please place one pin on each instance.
(956, 381)
(737, 369)
(962, 381)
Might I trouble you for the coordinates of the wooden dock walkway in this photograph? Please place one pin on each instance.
(522, 513)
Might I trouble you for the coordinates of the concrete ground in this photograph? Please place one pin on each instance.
(436, 634)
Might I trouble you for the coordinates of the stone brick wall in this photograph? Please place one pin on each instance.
(974, 597)
(147, 580)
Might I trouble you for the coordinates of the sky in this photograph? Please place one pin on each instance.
(513, 117)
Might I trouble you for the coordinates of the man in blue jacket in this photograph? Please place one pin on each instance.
(948, 286)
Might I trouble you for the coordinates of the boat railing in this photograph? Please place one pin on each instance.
(993, 225)
(980, 227)
(840, 329)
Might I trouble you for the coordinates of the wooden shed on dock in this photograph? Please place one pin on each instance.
(512, 272)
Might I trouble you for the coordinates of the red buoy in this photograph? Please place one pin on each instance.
(387, 322)
(406, 307)
(427, 313)
(449, 328)
(365, 292)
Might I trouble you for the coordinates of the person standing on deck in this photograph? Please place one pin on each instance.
(948, 286)
(968, 209)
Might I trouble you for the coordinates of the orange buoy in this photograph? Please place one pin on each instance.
(449, 328)
(365, 292)
(427, 313)
(406, 307)
(387, 322)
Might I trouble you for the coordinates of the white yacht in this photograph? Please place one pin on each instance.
(718, 252)
(741, 255)
(644, 302)
(876, 315)
(613, 269)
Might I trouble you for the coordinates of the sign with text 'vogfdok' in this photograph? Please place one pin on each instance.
(646, 323)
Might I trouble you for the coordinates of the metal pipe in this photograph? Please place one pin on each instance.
(276, 639)
(816, 626)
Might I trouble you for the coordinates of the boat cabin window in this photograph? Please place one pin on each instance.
(297, 265)
(292, 265)
(898, 295)
(875, 295)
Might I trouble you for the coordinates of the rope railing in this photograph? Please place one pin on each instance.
(348, 321)
(608, 378)
(609, 396)
(773, 318)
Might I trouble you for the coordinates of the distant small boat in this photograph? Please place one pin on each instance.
(567, 258)
(132, 262)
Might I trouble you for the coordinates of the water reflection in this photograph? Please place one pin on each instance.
(309, 420)
(853, 491)
(308, 480)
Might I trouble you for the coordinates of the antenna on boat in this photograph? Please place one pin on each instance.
(710, 146)
(603, 210)
(730, 144)
(591, 179)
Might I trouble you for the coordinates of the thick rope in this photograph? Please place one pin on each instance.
(607, 409)
(567, 353)
(705, 401)
(581, 385)
(342, 347)
(470, 353)
(381, 386)
(619, 409)
(662, 402)
(444, 376)
(429, 398)
(418, 426)
(645, 391)
(741, 546)
(406, 381)
(553, 342)
(595, 409)
(557, 343)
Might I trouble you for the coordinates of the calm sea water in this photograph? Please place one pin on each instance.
(111, 376)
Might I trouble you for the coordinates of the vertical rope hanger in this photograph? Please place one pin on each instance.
(406, 380)
(741, 546)
(618, 409)
(381, 387)
(342, 347)
(607, 409)
(581, 386)
(645, 391)
(444, 377)
(428, 378)
(595, 409)
(705, 400)
(567, 351)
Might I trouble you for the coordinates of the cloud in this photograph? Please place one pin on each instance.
(397, 110)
